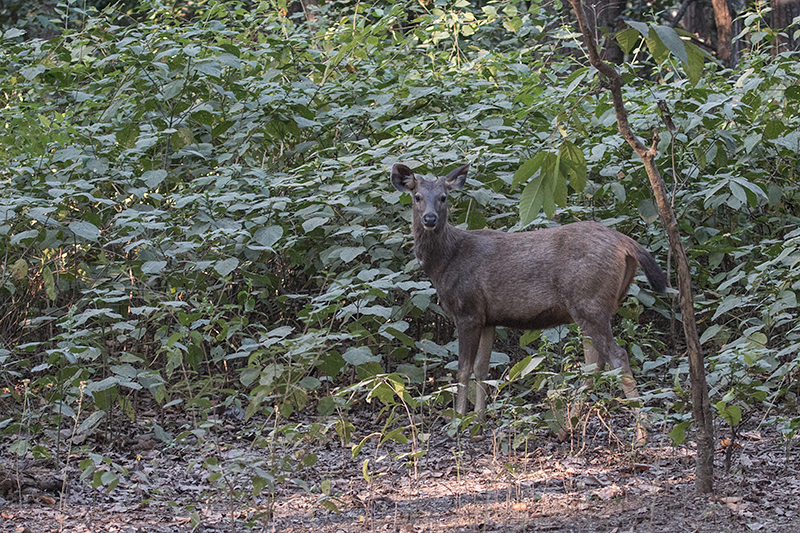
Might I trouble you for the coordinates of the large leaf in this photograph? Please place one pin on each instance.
(627, 39)
(673, 42)
(573, 165)
(359, 355)
(226, 266)
(539, 192)
(84, 229)
(531, 200)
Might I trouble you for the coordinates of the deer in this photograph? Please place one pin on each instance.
(578, 272)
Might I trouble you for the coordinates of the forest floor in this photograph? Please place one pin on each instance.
(596, 482)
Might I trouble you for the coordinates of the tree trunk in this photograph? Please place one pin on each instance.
(697, 19)
(701, 406)
(724, 20)
(783, 13)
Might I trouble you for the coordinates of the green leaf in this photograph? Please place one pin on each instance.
(49, 283)
(249, 375)
(365, 469)
(573, 164)
(531, 201)
(20, 447)
(153, 178)
(359, 355)
(529, 336)
(226, 266)
(31, 72)
(525, 367)
(350, 253)
(673, 42)
(172, 89)
(13, 33)
(694, 67)
(330, 505)
(309, 383)
(327, 405)
(539, 193)
(153, 267)
(91, 421)
(550, 184)
(727, 304)
(627, 39)
(84, 229)
(648, 210)
(24, 235)
(641, 27)
(656, 47)
(414, 373)
(19, 270)
(384, 393)
(560, 192)
(109, 480)
(732, 414)
(678, 433)
(268, 236)
(313, 223)
(258, 483)
(710, 333)
(397, 436)
(304, 122)
(527, 169)
(310, 459)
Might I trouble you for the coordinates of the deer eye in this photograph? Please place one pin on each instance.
(417, 198)
(442, 198)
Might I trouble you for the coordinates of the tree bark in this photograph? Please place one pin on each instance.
(724, 20)
(697, 20)
(701, 406)
(783, 13)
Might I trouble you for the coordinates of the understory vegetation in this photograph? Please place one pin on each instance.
(196, 217)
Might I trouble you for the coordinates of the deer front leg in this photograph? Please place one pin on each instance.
(482, 360)
(469, 336)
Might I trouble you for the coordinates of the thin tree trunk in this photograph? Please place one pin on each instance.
(701, 406)
(724, 20)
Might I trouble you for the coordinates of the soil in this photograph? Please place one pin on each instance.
(596, 482)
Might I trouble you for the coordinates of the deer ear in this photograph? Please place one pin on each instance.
(456, 178)
(403, 178)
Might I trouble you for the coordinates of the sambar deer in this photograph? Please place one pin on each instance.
(578, 272)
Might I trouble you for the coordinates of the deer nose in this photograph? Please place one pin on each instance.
(429, 219)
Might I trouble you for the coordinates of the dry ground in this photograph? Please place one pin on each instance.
(595, 483)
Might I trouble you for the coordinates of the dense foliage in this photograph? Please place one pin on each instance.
(198, 214)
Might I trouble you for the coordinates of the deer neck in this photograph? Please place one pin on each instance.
(434, 248)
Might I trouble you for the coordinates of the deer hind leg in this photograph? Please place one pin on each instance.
(615, 355)
(600, 348)
(574, 411)
(620, 359)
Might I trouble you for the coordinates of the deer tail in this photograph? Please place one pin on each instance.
(655, 276)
